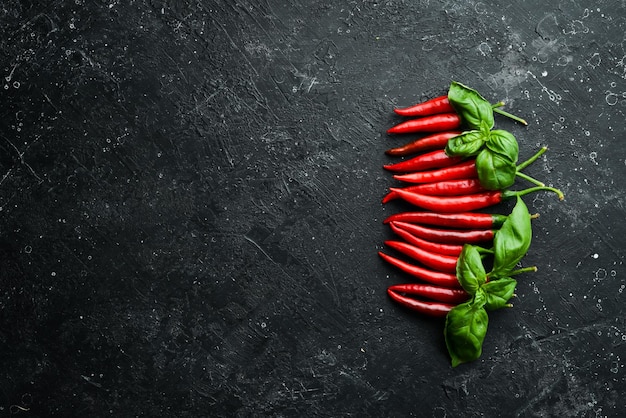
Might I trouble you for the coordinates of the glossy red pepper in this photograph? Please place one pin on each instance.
(439, 262)
(430, 160)
(447, 236)
(433, 123)
(433, 106)
(436, 309)
(464, 170)
(438, 293)
(421, 273)
(433, 141)
(448, 204)
(441, 188)
(434, 247)
(471, 220)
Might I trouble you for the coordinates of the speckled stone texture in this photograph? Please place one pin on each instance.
(190, 207)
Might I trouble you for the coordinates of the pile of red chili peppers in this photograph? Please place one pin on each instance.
(460, 262)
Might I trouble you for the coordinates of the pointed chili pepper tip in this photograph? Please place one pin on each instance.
(391, 292)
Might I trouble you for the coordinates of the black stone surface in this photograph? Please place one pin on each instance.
(190, 207)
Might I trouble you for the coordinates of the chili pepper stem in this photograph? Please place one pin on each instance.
(529, 179)
(532, 159)
(528, 162)
(496, 109)
(510, 193)
(532, 269)
(534, 216)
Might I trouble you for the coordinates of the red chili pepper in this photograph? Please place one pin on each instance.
(427, 143)
(430, 160)
(441, 188)
(433, 123)
(438, 293)
(435, 247)
(447, 236)
(433, 106)
(448, 204)
(439, 262)
(470, 220)
(436, 309)
(427, 275)
(464, 170)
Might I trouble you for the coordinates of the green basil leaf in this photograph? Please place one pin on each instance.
(495, 172)
(467, 144)
(470, 270)
(465, 330)
(503, 143)
(511, 241)
(498, 292)
(473, 109)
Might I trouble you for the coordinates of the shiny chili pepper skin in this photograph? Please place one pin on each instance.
(435, 309)
(434, 247)
(471, 220)
(464, 170)
(430, 160)
(447, 204)
(441, 188)
(447, 236)
(433, 123)
(421, 273)
(433, 141)
(433, 106)
(439, 262)
(438, 293)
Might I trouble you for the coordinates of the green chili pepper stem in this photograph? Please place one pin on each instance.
(534, 216)
(529, 179)
(532, 159)
(512, 193)
(532, 269)
(496, 109)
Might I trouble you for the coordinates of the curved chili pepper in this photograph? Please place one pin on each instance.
(447, 204)
(447, 236)
(464, 170)
(439, 262)
(433, 123)
(427, 275)
(435, 247)
(470, 220)
(434, 141)
(430, 160)
(438, 293)
(441, 188)
(436, 309)
(433, 106)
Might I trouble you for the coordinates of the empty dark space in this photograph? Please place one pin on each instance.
(190, 207)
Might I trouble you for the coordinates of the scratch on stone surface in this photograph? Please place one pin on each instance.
(234, 45)
(20, 155)
(250, 240)
(539, 397)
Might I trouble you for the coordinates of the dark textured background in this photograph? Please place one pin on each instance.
(190, 207)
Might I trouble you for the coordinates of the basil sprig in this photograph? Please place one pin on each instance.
(512, 241)
(473, 109)
(466, 324)
(496, 151)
